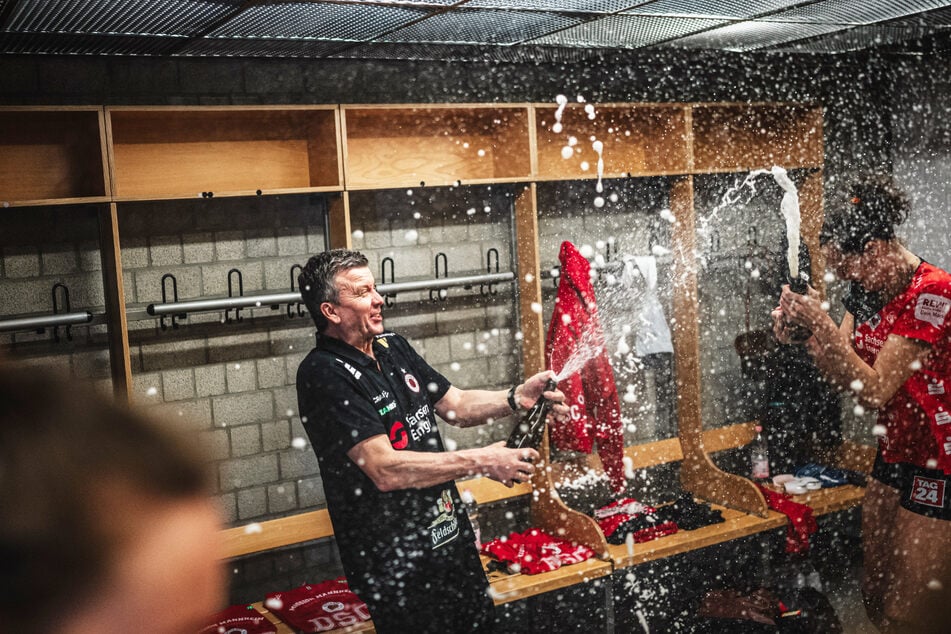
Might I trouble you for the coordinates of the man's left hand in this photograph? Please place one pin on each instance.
(527, 393)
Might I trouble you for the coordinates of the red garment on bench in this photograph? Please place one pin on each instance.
(319, 607)
(802, 523)
(534, 551)
(239, 618)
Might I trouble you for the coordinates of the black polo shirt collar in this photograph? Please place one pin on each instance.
(341, 348)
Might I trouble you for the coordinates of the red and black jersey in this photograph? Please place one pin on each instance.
(318, 608)
(239, 619)
(590, 392)
(917, 419)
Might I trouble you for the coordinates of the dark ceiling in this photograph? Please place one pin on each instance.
(501, 30)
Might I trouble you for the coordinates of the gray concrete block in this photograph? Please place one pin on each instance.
(295, 342)
(310, 493)
(281, 498)
(277, 272)
(244, 472)
(135, 252)
(316, 240)
(165, 250)
(173, 354)
(292, 241)
(275, 435)
(437, 349)
(248, 345)
(194, 415)
(252, 503)
(59, 259)
(146, 388)
(211, 77)
(90, 363)
(240, 409)
(215, 443)
(462, 346)
(298, 463)
(214, 278)
(210, 380)
(466, 374)
(198, 247)
(261, 243)
(21, 261)
(273, 76)
(178, 384)
(228, 503)
(229, 245)
(241, 376)
(245, 440)
(89, 256)
(458, 320)
(376, 239)
(285, 401)
(271, 372)
(148, 284)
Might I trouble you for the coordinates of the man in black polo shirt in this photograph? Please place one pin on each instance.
(368, 402)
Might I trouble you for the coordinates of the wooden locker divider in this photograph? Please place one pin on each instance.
(338, 219)
(111, 255)
(698, 474)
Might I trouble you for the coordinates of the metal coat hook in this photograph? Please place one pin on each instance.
(489, 289)
(384, 279)
(237, 311)
(714, 241)
(610, 250)
(169, 276)
(752, 236)
(300, 311)
(440, 294)
(56, 311)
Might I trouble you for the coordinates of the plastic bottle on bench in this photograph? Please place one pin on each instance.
(472, 509)
(759, 457)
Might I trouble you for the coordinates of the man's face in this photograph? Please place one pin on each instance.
(358, 305)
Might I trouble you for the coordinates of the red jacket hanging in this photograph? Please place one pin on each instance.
(590, 391)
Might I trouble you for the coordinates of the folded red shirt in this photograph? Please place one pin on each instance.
(239, 618)
(534, 551)
(802, 524)
(318, 608)
(628, 516)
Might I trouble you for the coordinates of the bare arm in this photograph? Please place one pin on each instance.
(831, 348)
(391, 469)
(467, 408)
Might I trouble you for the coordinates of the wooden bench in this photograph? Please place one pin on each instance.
(506, 587)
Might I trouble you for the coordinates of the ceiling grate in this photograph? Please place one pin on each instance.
(481, 27)
(627, 31)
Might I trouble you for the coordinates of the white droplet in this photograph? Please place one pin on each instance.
(152, 391)
(561, 100)
(274, 603)
(915, 365)
(931, 463)
(566, 319)
(825, 305)
(466, 145)
(299, 443)
(622, 347)
(858, 410)
(519, 336)
(857, 385)
(567, 152)
(935, 584)
(481, 152)
(412, 235)
(467, 345)
(471, 211)
(572, 141)
(253, 529)
(585, 166)
(754, 274)
(580, 99)
(828, 277)
(587, 251)
(556, 128)
(668, 215)
(879, 430)
(536, 308)
(748, 265)
(409, 192)
(612, 197)
(487, 209)
(659, 251)
(454, 366)
(481, 347)
(597, 146)
(598, 202)
(289, 413)
(417, 215)
(357, 234)
(529, 278)
(432, 387)
(451, 445)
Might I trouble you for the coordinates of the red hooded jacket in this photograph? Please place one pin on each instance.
(590, 391)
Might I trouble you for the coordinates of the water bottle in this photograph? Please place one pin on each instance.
(759, 457)
(531, 428)
(472, 510)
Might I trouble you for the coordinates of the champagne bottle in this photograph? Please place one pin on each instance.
(530, 429)
(798, 334)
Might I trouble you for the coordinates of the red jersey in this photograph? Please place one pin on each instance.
(239, 619)
(590, 391)
(917, 419)
(318, 608)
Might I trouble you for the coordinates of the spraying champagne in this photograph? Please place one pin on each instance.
(530, 429)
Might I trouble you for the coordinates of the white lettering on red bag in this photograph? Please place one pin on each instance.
(928, 491)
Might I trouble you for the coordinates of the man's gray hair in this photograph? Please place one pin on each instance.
(316, 280)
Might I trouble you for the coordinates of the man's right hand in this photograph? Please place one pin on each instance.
(506, 465)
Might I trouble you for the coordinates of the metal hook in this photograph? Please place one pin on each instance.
(714, 241)
(752, 236)
(169, 276)
(392, 278)
(440, 294)
(65, 294)
(489, 289)
(300, 312)
(237, 311)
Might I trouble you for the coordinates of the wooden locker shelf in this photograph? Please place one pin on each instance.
(52, 156)
(181, 153)
(639, 140)
(414, 146)
(741, 137)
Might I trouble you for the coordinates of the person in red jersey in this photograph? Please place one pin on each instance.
(892, 351)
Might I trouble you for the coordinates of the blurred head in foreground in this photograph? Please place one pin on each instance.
(106, 523)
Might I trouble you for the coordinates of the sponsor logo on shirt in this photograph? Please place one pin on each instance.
(389, 407)
(411, 382)
(379, 397)
(874, 321)
(419, 422)
(932, 309)
(398, 436)
(445, 527)
(942, 418)
(928, 491)
(352, 370)
(936, 387)
(947, 445)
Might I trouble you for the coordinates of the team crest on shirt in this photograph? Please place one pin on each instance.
(411, 382)
(398, 436)
(332, 606)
